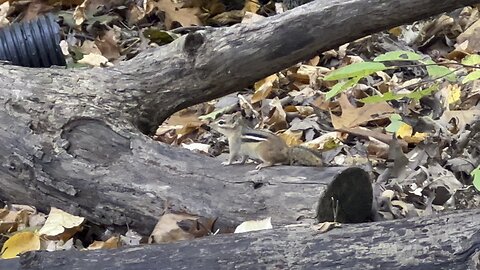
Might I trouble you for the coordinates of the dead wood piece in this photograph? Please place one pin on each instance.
(449, 241)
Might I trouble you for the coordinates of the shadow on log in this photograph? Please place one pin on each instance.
(347, 199)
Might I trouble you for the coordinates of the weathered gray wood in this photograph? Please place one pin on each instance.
(445, 242)
(70, 138)
(112, 178)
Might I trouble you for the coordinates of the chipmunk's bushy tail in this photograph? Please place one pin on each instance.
(302, 156)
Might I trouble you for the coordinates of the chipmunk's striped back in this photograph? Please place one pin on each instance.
(251, 137)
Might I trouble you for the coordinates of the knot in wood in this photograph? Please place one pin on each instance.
(193, 41)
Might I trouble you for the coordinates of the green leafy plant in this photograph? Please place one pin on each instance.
(348, 76)
(417, 95)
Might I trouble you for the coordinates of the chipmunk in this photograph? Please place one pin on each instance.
(245, 142)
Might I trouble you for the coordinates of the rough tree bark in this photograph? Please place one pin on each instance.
(449, 242)
(71, 138)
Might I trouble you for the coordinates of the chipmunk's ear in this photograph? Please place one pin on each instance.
(237, 115)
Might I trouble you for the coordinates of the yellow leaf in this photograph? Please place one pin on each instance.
(58, 221)
(396, 31)
(19, 243)
(404, 130)
(454, 94)
(251, 6)
(417, 138)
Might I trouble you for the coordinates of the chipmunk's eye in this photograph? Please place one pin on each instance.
(221, 122)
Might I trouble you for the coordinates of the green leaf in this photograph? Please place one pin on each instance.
(67, 18)
(395, 123)
(436, 71)
(102, 19)
(471, 60)
(341, 86)
(476, 178)
(471, 76)
(213, 115)
(159, 36)
(383, 97)
(417, 95)
(355, 70)
(398, 56)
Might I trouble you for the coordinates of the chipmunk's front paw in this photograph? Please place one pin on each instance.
(226, 163)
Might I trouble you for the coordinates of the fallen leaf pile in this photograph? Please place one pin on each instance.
(102, 33)
(29, 230)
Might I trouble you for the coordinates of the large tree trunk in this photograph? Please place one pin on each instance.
(71, 139)
(449, 242)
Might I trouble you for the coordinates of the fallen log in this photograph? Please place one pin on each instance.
(448, 241)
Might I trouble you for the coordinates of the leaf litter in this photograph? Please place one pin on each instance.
(420, 135)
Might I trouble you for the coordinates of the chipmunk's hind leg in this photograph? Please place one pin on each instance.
(263, 165)
(269, 155)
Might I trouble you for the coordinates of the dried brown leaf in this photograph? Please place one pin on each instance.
(278, 117)
(167, 229)
(175, 12)
(112, 243)
(292, 138)
(263, 88)
(108, 45)
(352, 116)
